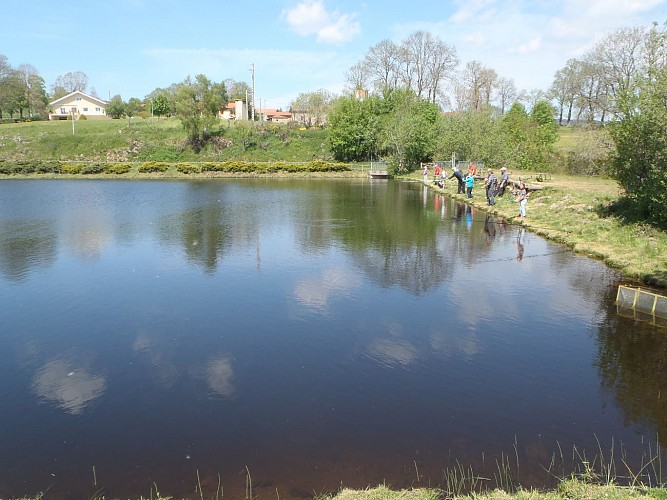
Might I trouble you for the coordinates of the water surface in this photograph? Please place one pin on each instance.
(312, 333)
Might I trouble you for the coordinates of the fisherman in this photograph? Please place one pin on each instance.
(490, 184)
(459, 177)
(504, 181)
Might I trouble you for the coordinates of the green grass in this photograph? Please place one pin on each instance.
(157, 140)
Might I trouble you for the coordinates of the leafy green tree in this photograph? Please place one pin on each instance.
(472, 135)
(161, 105)
(133, 107)
(409, 130)
(198, 103)
(640, 160)
(116, 107)
(13, 98)
(544, 133)
(354, 128)
(516, 124)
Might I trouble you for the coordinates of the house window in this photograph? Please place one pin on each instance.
(97, 110)
(62, 111)
(85, 110)
(78, 98)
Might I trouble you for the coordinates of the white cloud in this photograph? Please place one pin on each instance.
(532, 45)
(473, 10)
(310, 17)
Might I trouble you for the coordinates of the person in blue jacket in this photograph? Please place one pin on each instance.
(470, 183)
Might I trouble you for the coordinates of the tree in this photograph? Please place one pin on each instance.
(409, 130)
(516, 124)
(312, 108)
(133, 107)
(160, 105)
(473, 135)
(640, 163)
(34, 88)
(475, 86)
(69, 82)
(381, 64)
(425, 62)
(356, 77)
(116, 107)
(198, 103)
(506, 93)
(354, 127)
(13, 97)
(543, 133)
(565, 89)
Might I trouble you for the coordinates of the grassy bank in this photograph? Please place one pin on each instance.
(157, 140)
(577, 212)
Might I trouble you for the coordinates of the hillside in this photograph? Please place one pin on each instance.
(156, 140)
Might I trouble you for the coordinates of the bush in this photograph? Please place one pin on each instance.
(71, 169)
(188, 168)
(118, 169)
(152, 166)
(94, 168)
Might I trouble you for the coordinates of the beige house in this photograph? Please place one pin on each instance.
(237, 110)
(75, 105)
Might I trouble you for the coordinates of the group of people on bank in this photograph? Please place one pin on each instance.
(492, 185)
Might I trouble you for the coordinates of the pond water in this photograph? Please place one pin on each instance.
(299, 335)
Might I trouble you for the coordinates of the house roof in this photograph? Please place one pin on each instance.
(77, 93)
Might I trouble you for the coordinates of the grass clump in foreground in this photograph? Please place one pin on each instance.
(570, 489)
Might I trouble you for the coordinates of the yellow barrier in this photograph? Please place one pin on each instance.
(643, 301)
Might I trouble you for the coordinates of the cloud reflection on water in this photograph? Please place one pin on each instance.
(317, 292)
(69, 387)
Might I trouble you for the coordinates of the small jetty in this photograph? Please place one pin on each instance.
(379, 170)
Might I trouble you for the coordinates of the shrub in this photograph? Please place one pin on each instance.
(153, 166)
(94, 168)
(118, 169)
(71, 169)
(188, 168)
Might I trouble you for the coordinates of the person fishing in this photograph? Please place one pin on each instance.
(459, 177)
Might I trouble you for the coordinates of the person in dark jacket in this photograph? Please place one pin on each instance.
(459, 177)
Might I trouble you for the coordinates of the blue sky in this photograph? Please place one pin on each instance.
(131, 47)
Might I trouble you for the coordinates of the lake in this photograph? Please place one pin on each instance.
(295, 335)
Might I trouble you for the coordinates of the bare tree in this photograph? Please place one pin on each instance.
(565, 88)
(382, 65)
(426, 62)
(312, 108)
(356, 77)
(506, 93)
(439, 68)
(69, 82)
(478, 83)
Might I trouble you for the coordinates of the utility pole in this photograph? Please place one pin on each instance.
(252, 76)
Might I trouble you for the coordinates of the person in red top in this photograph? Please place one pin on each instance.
(436, 172)
(472, 169)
